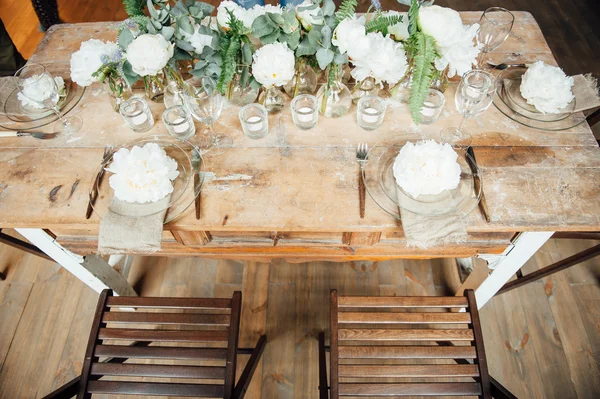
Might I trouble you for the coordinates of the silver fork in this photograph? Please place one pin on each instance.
(362, 152)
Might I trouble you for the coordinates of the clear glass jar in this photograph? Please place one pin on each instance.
(370, 112)
(179, 122)
(117, 89)
(303, 82)
(255, 121)
(367, 87)
(240, 96)
(440, 81)
(272, 98)
(305, 111)
(155, 85)
(401, 91)
(334, 97)
(137, 115)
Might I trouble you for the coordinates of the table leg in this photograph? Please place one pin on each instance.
(94, 271)
(506, 265)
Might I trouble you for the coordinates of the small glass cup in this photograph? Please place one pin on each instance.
(179, 122)
(255, 121)
(370, 112)
(305, 111)
(432, 107)
(137, 115)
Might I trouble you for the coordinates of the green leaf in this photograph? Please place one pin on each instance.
(182, 44)
(151, 9)
(130, 76)
(246, 54)
(180, 54)
(150, 28)
(271, 38)
(382, 23)
(201, 9)
(276, 18)
(293, 40)
(134, 7)
(326, 36)
(346, 10)
(291, 23)
(244, 77)
(262, 26)
(125, 38)
(324, 57)
(328, 7)
(184, 24)
(423, 70)
(305, 48)
(167, 32)
(340, 59)
(314, 37)
(180, 9)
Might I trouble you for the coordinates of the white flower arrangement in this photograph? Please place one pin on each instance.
(426, 168)
(90, 57)
(385, 60)
(307, 16)
(40, 91)
(273, 64)
(247, 16)
(143, 174)
(547, 88)
(398, 31)
(350, 37)
(454, 41)
(198, 40)
(148, 54)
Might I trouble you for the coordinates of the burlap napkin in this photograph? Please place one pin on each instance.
(136, 234)
(585, 89)
(430, 231)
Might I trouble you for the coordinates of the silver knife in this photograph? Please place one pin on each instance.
(37, 135)
(196, 160)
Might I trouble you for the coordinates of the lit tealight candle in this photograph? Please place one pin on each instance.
(305, 114)
(370, 115)
(138, 120)
(180, 127)
(253, 126)
(428, 109)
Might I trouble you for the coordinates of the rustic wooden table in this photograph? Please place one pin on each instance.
(260, 205)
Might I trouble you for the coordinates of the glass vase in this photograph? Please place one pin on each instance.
(240, 96)
(334, 97)
(155, 85)
(401, 91)
(440, 80)
(367, 87)
(117, 89)
(303, 82)
(272, 98)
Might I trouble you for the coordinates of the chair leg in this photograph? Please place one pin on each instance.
(242, 386)
(323, 387)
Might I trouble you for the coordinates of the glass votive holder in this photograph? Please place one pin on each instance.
(254, 120)
(305, 111)
(179, 122)
(136, 114)
(173, 94)
(432, 107)
(370, 112)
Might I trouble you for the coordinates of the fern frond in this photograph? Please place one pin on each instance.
(230, 49)
(134, 7)
(423, 71)
(141, 21)
(346, 10)
(381, 23)
(413, 17)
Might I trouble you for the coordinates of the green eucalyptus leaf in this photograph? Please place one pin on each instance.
(167, 32)
(246, 54)
(314, 36)
(326, 36)
(213, 69)
(180, 9)
(254, 84)
(157, 25)
(271, 38)
(340, 59)
(305, 48)
(276, 18)
(150, 28)
(262, 26)
(180, 54)
(151, 9)
(125, 38)
(185, 25)
(328, 8)
(130, 76)
(182, 44)
(293, 40)
(202, 9)
(201, 64)
(244, 77)
(324, 57)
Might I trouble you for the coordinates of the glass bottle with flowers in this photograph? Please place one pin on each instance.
(273, 67)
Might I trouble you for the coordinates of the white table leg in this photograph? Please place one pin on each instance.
(506, 265)
(94, 271)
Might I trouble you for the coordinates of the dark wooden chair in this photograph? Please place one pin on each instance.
(206, 330)
(403, 346)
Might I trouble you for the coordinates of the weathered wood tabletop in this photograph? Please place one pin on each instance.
(259, 204)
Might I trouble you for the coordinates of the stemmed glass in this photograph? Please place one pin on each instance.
(205, 104)
(494, 27)
(474, 95)
(39, 86)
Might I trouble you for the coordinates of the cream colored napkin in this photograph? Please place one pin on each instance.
(427, 231)
(122, 234)
(585, 89)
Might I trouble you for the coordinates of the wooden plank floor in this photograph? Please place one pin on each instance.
(542, 340)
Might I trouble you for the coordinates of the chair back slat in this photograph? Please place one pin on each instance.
(168, 303)
(159, 352)
(167, 318)
(156, 388)
(158, 370)
(406, 346)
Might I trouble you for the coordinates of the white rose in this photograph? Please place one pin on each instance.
(461, 54)
(350, 37)
(273, 65)
(400, 30)
(308, 18)
(441, 23)
(88, 59)
(385, 61)
(198, 40)
(547, 88)
(148, 54)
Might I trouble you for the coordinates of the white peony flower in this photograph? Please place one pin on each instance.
(273, 64)
(198, 40)
(547, 88)
(400, 30)
(308, 18)
(385, 61)
(246, 16)
(454, 41)
(426, 168)
(34, 94)
(143, 174)
(350, 37)
(148, 54)
(88, 59)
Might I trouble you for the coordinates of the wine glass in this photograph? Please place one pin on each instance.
(474, 95)
(39, 86)
(494, 27)
(205, 104)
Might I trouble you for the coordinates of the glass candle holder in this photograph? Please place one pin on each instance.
(305, 111)
(137, 115)
(179, 122)
(432, 107)
(254, 120)
(370, 112)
